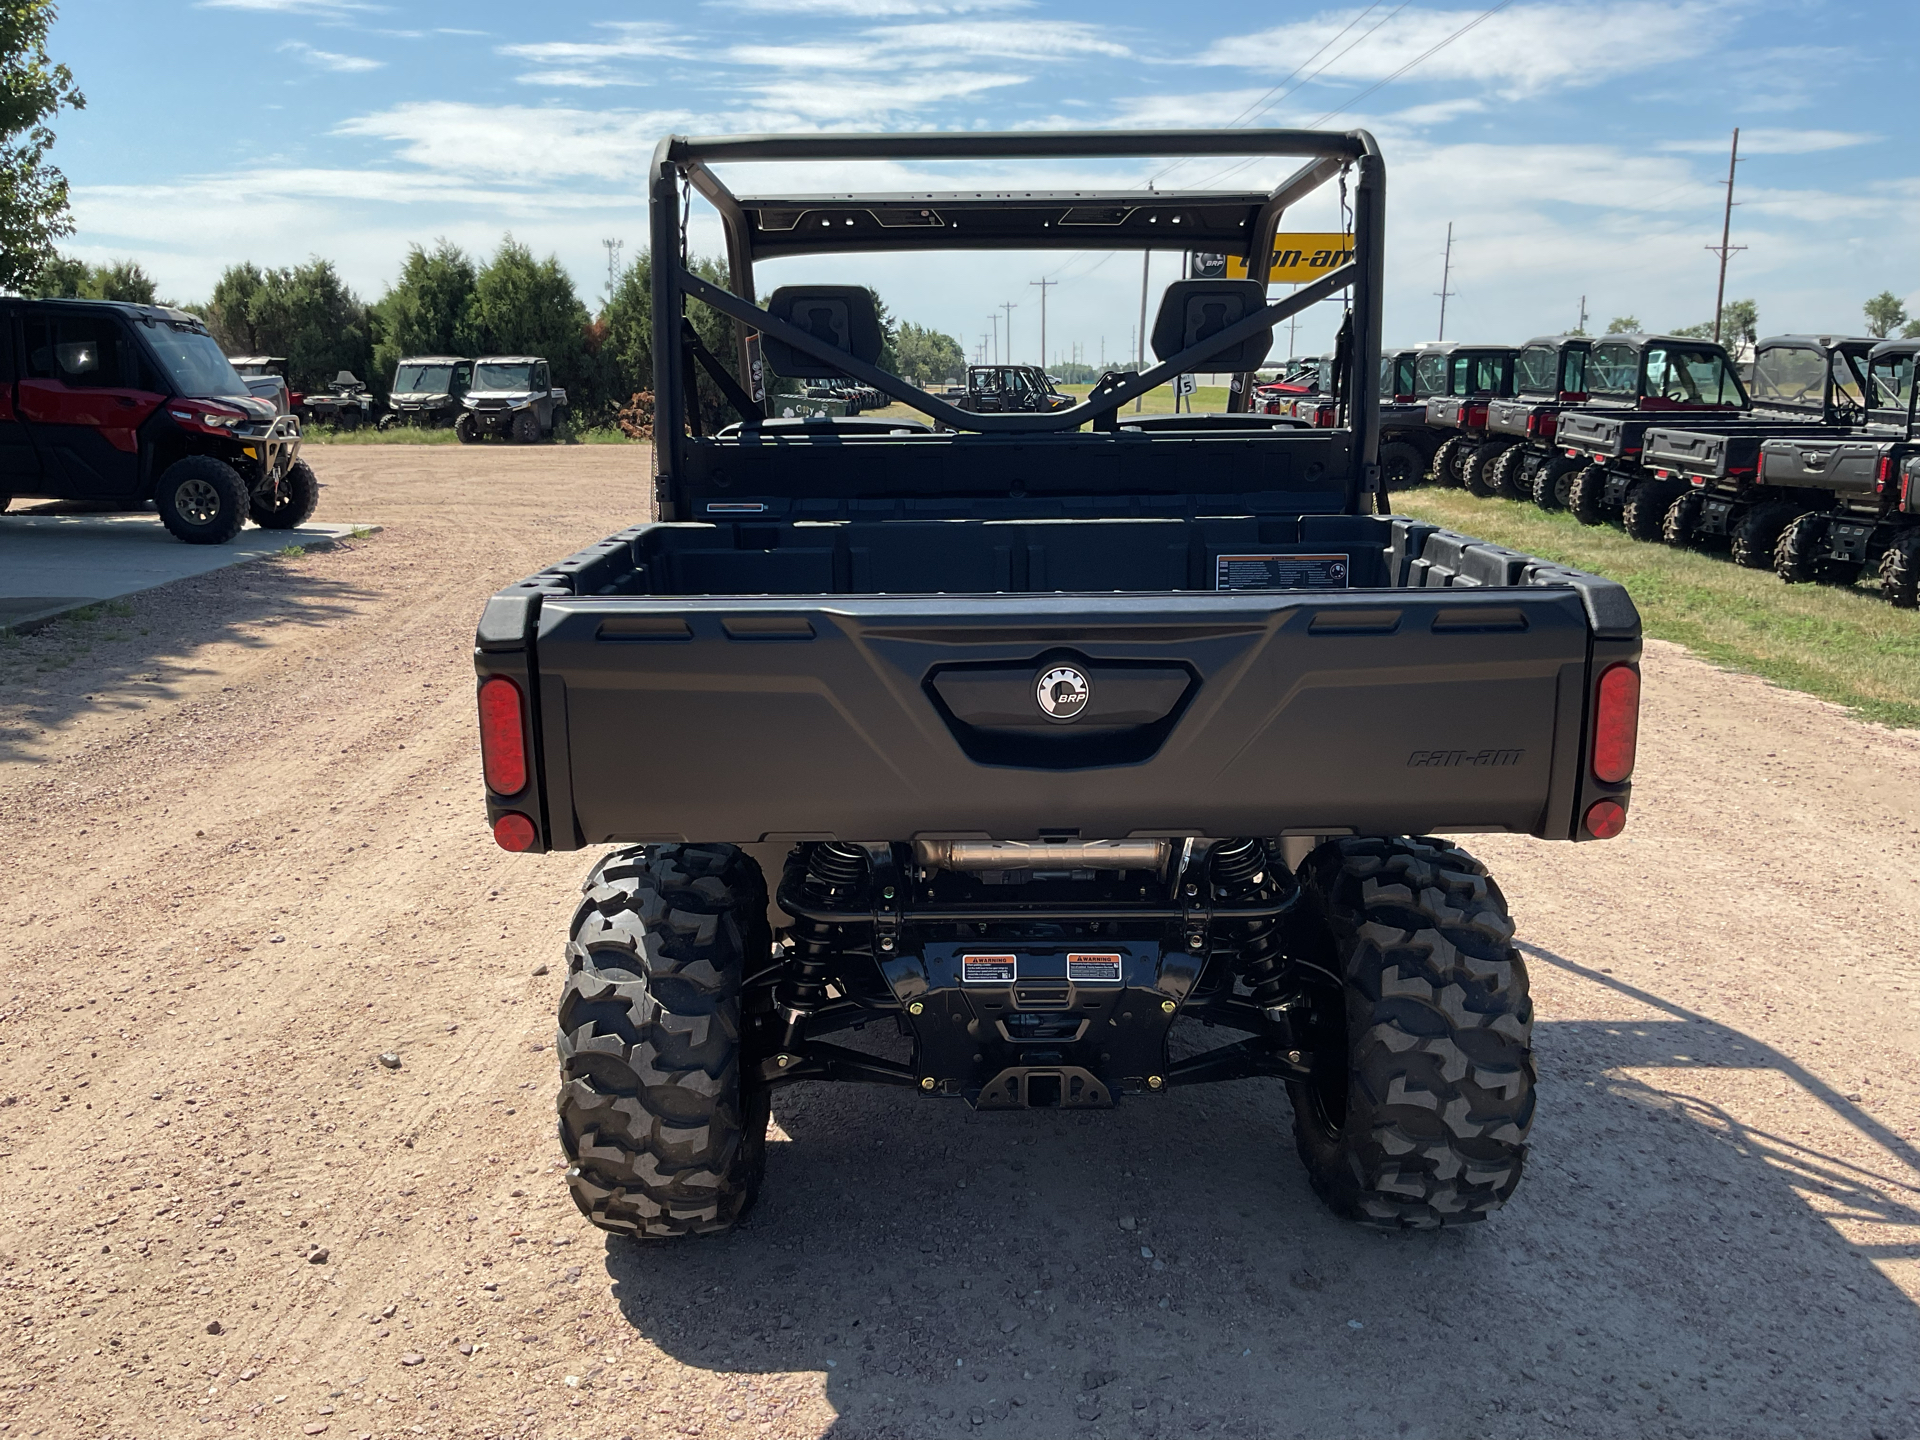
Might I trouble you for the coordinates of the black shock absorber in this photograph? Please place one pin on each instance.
(1243, 871)
(833, 876)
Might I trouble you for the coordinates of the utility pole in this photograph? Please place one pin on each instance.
(1723, 249)
(1009, 306)
(614, 247)
(1581, 329)
(1140, 348)
(994, 320)
(1043, 284)
(1446, 276)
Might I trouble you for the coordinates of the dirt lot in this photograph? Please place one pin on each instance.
(247, 857)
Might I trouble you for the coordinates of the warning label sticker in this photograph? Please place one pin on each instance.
(1281, 572)
(1094, 969)
(988, 969)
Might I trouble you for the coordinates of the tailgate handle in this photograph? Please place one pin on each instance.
(767, 627)
(643, 627)
(1479, 618)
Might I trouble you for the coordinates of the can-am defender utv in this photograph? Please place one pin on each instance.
(118, 405)
(973, 761)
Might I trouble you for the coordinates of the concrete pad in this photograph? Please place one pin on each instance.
(53, 564)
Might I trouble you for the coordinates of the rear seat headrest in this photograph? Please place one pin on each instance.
(842, 315)
(1191, 310)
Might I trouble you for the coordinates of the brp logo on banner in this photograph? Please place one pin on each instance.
(1063, 693)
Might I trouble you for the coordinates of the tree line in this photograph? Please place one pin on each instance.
(447, 302)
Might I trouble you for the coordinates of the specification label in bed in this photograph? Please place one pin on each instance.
(1280, 572)
(1094, 969)
(987, 969)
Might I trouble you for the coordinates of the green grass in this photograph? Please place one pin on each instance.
(367, 435)
(1843, 644)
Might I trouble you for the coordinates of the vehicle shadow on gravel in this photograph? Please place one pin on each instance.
(126, 654)
(1163, 1269)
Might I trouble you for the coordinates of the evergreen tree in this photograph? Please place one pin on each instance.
(429, 310)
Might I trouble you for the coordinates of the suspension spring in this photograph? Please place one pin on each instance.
(1242, 870)
(829, 875)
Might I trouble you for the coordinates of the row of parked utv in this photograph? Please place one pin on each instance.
(496, 396)
(1810, 466)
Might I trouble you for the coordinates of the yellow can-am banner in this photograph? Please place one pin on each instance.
(1299, 258)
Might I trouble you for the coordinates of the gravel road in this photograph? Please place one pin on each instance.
(247, 858)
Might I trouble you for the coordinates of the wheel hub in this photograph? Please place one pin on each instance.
(197, 501)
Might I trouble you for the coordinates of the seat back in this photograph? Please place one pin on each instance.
(841, 315)
(1192, 310)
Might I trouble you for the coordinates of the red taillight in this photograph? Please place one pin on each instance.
(1533, 425)
(1883, 475)
(513, 832)
(503, 744)
(1606, 819)
(1616, 724)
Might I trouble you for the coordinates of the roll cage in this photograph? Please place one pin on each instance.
(763, 227)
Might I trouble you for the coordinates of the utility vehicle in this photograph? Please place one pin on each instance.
(974, 761)
(1476, 375)
(513, 397)
(427, 390)
(1518, 459)
(266, 376)
(1872, 479)
(1803, 387)
(1008, 388)
(1634, 382)
(120, 405)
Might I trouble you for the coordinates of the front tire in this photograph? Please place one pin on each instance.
(526, 428)
(295, 508)
(1757, 533)
(1418, 1114)
(202, 501)
(467, 429)
(1899, 571)
(386, 423)
(660, 1116)
(1587, 496)
(1644, 511)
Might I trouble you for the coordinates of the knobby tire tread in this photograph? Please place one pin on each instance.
(1440, 1072)
(659, 1114)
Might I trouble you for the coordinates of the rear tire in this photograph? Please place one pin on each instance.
(1446, 462)
(1420, 1119)
(1644, 512)
(660, 1115)
(1757, 533)
(1586, 496)
(1899, 571)
(1473, 469)
(1801, 556)
(202, 501)
(303, 495)
(1682, 519)
(1401, 465)
(1552, 480)
(467, 429)
(1503, 475)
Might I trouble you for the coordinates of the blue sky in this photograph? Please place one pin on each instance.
(1576, 147)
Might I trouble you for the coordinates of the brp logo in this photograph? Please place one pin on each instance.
(1063, 693)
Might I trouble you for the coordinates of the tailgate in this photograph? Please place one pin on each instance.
(894, 717)
(1596, 434)
(1694, 452)
(1844, 465)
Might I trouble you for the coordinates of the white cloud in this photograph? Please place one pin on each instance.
(520, 142)
(625, 40)
(848, 102)
(288, 7)
(1771, 142)
(1521, 51)
(328, 60)
(934, 45)
(874, 9)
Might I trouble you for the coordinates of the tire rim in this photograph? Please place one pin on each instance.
(197, 502)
